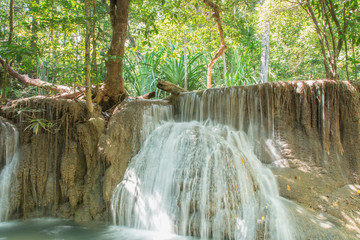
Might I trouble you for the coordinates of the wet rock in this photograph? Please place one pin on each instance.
(306, 131)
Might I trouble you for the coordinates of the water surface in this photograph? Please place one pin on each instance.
(56, 229)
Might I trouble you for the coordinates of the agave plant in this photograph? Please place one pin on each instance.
(174, 70)
(240, 68)
(142, 71)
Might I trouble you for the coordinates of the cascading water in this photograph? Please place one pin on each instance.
(203, 180)
(10, 158)
(199, 174)
(200, 178)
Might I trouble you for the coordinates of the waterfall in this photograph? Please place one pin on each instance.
(203, 180)
(201, 172)
(10, 159)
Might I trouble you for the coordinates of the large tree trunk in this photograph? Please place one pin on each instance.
(113, 89)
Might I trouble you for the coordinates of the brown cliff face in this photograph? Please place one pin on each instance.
(306, 132)
(59, 172)
(316, 122)
(70, 170)
(121, 141)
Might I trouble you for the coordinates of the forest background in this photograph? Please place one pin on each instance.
(267, 40)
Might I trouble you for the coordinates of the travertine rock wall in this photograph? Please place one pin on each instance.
(307, 132)
(71, 169)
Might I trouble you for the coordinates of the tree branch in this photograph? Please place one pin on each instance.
(148, 95)
(36, 82)
(308, 9)
(170, 87)
(222, 48)
(327, 25)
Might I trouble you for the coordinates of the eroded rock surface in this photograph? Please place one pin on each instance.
(306, 132)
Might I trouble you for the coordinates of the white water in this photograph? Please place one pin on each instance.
(9, 146)
(198, 172)
(56, 229)
(200, 179)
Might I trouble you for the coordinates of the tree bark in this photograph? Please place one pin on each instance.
(87, 59)
(26, 80)
(147, 95)
(170, 87)
(222, 48)
(113, 89)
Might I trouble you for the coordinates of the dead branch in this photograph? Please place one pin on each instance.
(170, 87)
(72, 95)
(147, 95)
(26, 80)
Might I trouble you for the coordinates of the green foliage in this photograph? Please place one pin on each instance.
(174, 71)
(36, 124)
(14, 52)
(16, 91)
(240, 70)
(48, 42)
(142, 71)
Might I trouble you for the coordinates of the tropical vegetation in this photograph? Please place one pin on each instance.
(266, 40)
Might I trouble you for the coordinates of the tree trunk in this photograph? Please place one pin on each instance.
(94, 46)
(113, 89)
(325, 16)
(354, 56)
(6, 63)
(53, 41)
(346, 60)
(87, 59)
(321, 39)
(225, 70)
(185, 62)
(34, 39)
(222, 48)
(265, 50)
(4, 82)
(265, 54)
